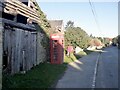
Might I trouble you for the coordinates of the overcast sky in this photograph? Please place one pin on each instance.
(106, 14)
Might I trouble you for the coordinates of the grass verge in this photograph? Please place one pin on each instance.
(69, 59)
(80, 54)
(41, 76)
(89, 51)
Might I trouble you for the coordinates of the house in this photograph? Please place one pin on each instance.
(95, 44)
(57, 26)
(110, 41)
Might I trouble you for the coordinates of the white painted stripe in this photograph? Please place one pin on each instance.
(95, 73)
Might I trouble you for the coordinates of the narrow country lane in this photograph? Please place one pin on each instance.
(81, 73)
(107, 74)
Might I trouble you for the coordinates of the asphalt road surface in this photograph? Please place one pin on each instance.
(107, 74)
(92, 71)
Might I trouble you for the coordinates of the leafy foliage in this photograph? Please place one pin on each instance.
(118, 41)
(69, 24)
(115, 40)
(44, 22)
(44, 28)
(77, 37)
(101, 39)
(106, 41)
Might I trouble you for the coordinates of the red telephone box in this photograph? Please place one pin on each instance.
(57, 48)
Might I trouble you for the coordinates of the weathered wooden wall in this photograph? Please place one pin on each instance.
(1, 28)
(15, 7)
(20, 47)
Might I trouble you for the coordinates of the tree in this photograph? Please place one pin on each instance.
(92, 36)
(69, 24)
(76, 37)
(118, 39)
(115, 40)
(106, 41)
(101, 39)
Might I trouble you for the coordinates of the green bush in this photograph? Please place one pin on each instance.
(76, 37)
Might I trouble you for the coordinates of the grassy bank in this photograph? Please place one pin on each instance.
(80, 54)
(41, 76)
(71, 58)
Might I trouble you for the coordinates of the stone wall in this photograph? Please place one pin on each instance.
(41, 51)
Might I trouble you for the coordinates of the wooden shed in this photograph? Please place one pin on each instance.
(19, 47)
(21, 43)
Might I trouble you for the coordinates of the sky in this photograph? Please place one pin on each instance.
(103, 24)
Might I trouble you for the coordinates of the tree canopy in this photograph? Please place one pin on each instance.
(77, 37)
(69, 24)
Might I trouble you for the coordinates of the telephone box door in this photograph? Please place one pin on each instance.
(56, 48)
